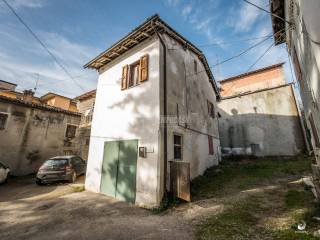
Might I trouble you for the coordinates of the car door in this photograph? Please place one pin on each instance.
(3, 174)
(83, 165)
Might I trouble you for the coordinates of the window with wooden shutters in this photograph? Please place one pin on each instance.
(143, 68)
(210, 143)
(124, 77)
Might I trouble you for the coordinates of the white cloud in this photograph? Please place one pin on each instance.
(21, 64)
(186, 10)
(243, 19)
(27, 3)
(173, 3)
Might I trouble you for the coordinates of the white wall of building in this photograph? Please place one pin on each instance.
(129, 114)
(189, 91)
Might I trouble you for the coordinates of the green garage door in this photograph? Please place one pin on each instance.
(118, 178)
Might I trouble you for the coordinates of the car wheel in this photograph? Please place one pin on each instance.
(39, 182)
(74, 177)
(7, 177)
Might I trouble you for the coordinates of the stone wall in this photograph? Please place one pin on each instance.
(31, 135)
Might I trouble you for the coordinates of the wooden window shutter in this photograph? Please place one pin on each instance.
(143, 76)
(124, 78)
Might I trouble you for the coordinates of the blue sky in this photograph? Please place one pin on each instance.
(77, 30)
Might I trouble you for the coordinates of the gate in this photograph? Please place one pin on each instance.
(119, 167)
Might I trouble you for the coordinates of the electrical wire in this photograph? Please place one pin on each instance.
(235, 41)
(259, 58)
(239, 54)
(42, 44)
(262, 9)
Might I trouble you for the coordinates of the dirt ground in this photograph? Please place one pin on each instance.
(237, 200)
(28, 211)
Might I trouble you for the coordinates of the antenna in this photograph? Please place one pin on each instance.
(37, 80)
(218, 68)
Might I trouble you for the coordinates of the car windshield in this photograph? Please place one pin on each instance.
(55, 163)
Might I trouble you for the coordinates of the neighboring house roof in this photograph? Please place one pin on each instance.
(86, 95)
(37, 105)
(256, 91)
(141, 33)
(8, 82)
(50, 95)
(277, 7)
(252, 72)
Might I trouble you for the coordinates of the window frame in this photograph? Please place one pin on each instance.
(130, 75)
(6, 121)
(178, 145)
(211, 110)
(75, 133)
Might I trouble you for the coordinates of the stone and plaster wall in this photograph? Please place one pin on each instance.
(262, 123)
(32, 135)
(85, 107)
(188, 91)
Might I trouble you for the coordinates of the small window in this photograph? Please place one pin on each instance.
(210, 143)
(134, 74)
(195, 65)
(177, 142)
(210, 109)
(71, 131)
(3, 120)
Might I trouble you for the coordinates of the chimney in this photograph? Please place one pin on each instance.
(28, 95)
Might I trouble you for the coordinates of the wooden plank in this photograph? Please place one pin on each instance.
(180, 180)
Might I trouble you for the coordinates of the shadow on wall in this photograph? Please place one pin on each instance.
(260, 134)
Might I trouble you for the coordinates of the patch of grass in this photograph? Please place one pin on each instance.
(268, 213)
(292, 235)
(77, 187)
(297, 199)
(232, 176)
(167, 202)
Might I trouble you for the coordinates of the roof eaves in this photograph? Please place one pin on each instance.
(38, 106)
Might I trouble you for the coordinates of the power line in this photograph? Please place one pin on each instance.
(259, 58)
(262, 9)
(42, 44)
(234, 41)
(233, 57)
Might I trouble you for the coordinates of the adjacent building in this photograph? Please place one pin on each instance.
(85, 105)
(56, 100)
(32, 130)
(259, 115)
(155, 121)
(298, 22)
